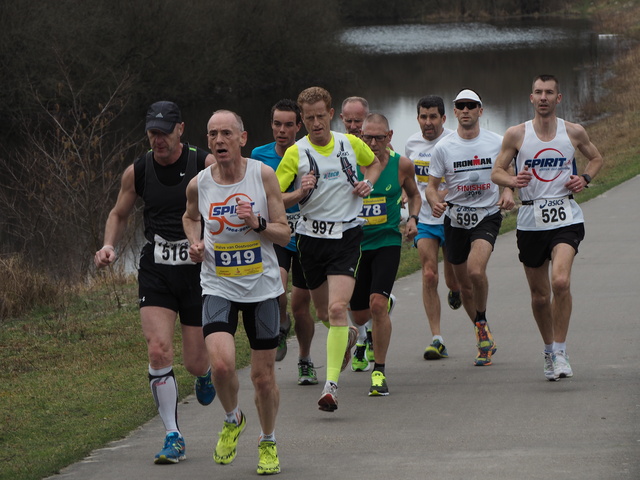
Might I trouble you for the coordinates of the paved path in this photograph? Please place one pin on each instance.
(447, 419)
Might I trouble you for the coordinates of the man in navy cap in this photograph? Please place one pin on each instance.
(168, 281)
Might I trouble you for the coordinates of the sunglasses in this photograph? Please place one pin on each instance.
(469, 105)
(378, 138)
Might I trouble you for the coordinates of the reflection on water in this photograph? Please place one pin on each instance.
(396, 65)
(449, 37)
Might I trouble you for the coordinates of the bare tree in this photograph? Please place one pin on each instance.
(56, 191)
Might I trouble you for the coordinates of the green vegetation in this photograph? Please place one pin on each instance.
(73, 369)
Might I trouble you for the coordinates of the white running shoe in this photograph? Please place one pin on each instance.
(563, 369)
(550, 371)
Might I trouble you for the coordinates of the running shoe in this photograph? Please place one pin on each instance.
(435, 351)
(550, 367)
(369, 343)
(281, 352)
(351, 342)
(484, 338)
(483, 359)
(359, 363)
(329, 399)
(205, 391)
(228, 441)
(455, 302)
(563, 369)
(268, 463)
(307, 373)
(173, 451)
(391, 303)
(378, 385)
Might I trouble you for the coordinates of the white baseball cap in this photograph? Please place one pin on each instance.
(468, 94)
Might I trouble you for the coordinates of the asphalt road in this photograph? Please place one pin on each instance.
(447, 419)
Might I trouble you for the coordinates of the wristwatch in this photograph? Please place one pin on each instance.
(415, 217)
(368, 182)
(587, 178)
(262, 224)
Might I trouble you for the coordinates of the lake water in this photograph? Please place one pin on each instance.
(401, 63)
(394, 65)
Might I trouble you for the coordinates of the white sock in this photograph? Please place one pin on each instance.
(268, 438)
(165, 393)
(439, 338)
(234, 416)
(548, 348)
(557, 346)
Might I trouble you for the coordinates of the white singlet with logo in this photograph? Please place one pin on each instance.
(419, 151)
(551, 163)
(331, 208)
(466, 166)
(240, 264)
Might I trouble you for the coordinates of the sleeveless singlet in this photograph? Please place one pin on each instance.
(546, 200)
(419, 151)
(381, 209)
(240, 264)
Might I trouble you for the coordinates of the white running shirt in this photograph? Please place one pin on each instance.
(419, 151)
(240, 265)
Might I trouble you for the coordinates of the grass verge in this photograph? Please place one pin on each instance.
(73, 376)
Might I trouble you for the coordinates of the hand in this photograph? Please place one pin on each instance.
(308, 182)
(196, 251)
(576, 183)
(506, 199)
(523, 178)
(244, 210)
(438, 209)
(410, 230)
(362, 189)
(105, 256)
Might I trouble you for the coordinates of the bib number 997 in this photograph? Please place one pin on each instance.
(320, 227)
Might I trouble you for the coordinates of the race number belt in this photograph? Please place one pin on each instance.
(374, 210)
(553, 212)
(466, 217)
(292, 220)
(171, 253)
(238, 259)
(323, 228)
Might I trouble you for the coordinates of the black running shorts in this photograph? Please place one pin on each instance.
(458, 240)
(535, 246)
(321, 256)
(176, 288)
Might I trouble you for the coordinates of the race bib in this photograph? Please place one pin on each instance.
(466, 217)
(374, 210)
(292, 220)
(238, 259)
(422, 170)
(171, 253)
(322, 229)
(554, 212)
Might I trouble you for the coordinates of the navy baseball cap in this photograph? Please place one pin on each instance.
(163, 116)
